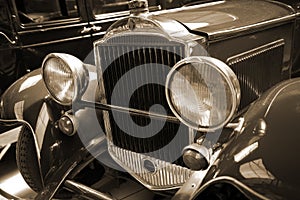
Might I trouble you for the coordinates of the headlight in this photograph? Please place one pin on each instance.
(203, 92)
(65, 77)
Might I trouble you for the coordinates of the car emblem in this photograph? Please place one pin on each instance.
(131, 24)
(149, 165)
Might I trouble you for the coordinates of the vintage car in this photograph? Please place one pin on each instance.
(196, 102)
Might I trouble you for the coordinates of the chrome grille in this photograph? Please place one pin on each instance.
(125, 54)
(165, 175)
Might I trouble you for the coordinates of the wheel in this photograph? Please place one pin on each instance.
(27, 160)
(27, 163)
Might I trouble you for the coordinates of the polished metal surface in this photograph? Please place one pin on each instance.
(189, 189)
(74, 67)
(160, 176)
(134, 112)
(196, 156)
(126, 51)
(223, 71)
(191, 186)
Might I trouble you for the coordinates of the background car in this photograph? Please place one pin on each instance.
(210, 81)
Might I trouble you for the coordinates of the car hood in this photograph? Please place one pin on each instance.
(229, 17)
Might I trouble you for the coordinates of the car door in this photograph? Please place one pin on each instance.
(8, 53)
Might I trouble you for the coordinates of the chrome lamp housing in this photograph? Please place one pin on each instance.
(65, 77)
(203, 92)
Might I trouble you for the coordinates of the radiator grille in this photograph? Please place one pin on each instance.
(164, 174)
(258, 70)
(147, 59)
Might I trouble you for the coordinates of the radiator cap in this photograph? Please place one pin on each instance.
(138, 6)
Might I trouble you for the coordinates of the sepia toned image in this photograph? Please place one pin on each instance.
(149, 99)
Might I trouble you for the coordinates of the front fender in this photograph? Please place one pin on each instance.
(263, 159)
(27, 101)
(24, 98)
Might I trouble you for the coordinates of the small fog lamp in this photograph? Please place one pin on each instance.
(68, 124)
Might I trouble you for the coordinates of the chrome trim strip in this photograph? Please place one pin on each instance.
(56, 41)
(7, 38)
(42, 28)
(111, 16)
(281, 4)
(99, 33)
(102, 93)
(254, 52)
(277, 94)
(187, 8)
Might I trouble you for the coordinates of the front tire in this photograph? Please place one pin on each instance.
(27, 160)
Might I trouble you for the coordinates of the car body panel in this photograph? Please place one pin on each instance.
(263, 156)
(224, 18)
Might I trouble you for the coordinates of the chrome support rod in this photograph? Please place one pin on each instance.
(86, 191)
(237, 126)
(131, 111)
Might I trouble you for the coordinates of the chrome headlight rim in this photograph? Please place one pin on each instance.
(225, 71)
(79, 74)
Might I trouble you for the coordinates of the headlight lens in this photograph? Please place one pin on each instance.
(65, 77)
(203, 92)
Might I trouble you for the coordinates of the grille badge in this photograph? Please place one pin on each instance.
(149, 165)
(131, 24)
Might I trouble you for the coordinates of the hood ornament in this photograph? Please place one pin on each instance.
(138, 7)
